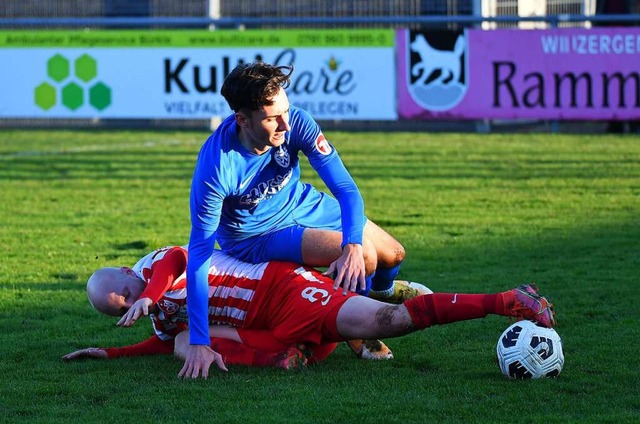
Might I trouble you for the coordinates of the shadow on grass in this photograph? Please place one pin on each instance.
(563, 258)
(134, 245)
(140, 164)
(146, 163)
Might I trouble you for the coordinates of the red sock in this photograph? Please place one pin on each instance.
(444, 308)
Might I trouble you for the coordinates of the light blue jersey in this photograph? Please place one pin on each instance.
(242, 200)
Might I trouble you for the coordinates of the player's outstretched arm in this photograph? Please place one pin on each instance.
(152, 346)
(198, 361)
(90, 352)
(139, 308)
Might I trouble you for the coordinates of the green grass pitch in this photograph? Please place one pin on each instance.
(476, 213)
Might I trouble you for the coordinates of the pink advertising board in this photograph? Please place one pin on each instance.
(558, 74)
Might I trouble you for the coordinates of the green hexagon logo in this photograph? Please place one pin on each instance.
(86, 68)
(72, 96)
(58, 68)
(45, 96)
(100, 96)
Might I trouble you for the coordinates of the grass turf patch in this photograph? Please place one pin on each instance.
(476, 213)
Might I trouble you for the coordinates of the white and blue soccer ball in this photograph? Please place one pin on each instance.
(528, 351)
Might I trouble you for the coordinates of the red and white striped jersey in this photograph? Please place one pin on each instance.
(287, 299)
(232, 289)
(144, 267)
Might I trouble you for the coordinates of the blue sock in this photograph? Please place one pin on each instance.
(369, 281)
(383, 278)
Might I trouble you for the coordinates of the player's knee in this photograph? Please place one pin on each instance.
(392, 256)
(398, 254)
(181, 344)
(370, 256)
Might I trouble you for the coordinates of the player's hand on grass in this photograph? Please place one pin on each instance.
(348, 269)
(139, 308)
(199, 359)
(90, 352)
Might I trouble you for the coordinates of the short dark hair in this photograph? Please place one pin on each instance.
(251, 86)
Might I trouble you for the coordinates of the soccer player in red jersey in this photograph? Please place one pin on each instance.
(274, 305)
(157, 277)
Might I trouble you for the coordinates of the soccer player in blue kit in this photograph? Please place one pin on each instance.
(246, 194)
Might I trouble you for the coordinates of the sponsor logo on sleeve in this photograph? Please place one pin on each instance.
(322, 145)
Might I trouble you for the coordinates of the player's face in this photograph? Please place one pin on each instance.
(127, 291)
(265, 128)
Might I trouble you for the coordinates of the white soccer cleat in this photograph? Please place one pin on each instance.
(420, 287)
(373, 350)
(402, 290)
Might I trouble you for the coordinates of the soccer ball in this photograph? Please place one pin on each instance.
(527, 351)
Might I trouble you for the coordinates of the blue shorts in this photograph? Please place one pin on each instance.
(316, 210)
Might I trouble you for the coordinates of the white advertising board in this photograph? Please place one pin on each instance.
(114, 79)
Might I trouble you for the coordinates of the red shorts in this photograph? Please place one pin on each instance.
(299, 308)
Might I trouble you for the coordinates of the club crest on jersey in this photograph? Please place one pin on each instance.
(168, 307)
(282, 157)
(322, 145)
